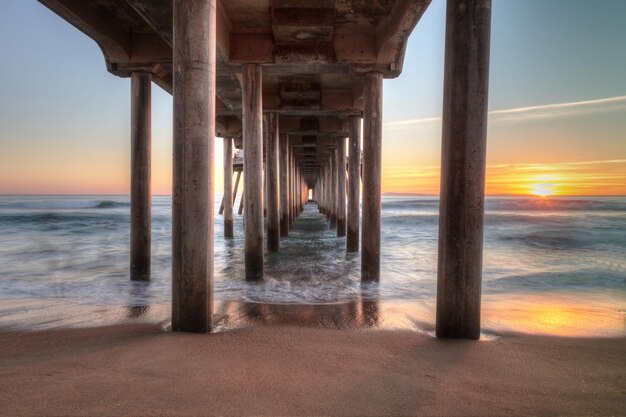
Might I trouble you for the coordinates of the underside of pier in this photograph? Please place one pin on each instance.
(289, 81)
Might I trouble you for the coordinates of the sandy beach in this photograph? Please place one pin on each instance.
(285, 370)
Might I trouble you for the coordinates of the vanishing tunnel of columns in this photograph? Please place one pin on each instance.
(280, 176)
(288, 181)
(290, 171)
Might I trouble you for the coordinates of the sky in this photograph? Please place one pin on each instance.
(557, 105)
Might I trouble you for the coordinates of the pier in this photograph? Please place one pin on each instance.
(295, 90)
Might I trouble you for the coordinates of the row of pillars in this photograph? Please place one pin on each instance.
(462, 172)
(332, 190)
(334, 185)
(285, 188)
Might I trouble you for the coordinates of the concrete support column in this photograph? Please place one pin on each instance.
(341, 187)
(323, 190)
(297, 184)
(290, 185)
(319, 190)
(194, 133)
(140, 195)
(461, 211)
(265, 125)
(299, 199)
(354, 181)
(273, 191)
(252, 126)
(333, 185)
(372, 139)
(292, 188)
(284, 185)
(296, 181)
(329, 189)
(228, 188)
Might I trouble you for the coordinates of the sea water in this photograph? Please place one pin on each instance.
(568, 252)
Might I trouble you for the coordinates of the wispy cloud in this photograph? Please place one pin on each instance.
(544, 111)
(562, 165)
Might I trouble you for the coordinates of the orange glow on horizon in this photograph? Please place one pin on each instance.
(60, 173)
(544, 180)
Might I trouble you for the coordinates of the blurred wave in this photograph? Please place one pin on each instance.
(77, 248)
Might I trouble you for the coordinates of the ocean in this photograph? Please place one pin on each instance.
(552, 265)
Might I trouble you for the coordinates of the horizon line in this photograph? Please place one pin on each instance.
(399, 193)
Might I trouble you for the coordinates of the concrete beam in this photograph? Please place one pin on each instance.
(111, 36)
(393, 32)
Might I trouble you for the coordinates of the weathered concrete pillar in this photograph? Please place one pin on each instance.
(221, 211)
(297, 185)
(236, 187)
(289, 185)
(228, 188)
(194, 134)
(140, 195)
(372, 139)
(295, 190)
(319, 190)
(292, 187)
(329, 189)
(322, 186)
(333, 186)
(273, 191)
(354, 181)
(461, 211)
(284, 185)
(296, 174)
(252, 121)
(265, 167)
(341, 187)
(302, 192)
(241, 201)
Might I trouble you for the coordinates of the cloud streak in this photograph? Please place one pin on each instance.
(544, 111)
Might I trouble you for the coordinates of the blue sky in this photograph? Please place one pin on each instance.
(61, 112)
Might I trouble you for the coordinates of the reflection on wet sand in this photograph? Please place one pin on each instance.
(134, 312)
(558, 314)
(356, 314)
(563, 314)
(137, 306)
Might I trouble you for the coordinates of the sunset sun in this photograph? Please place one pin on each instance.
(542, 190)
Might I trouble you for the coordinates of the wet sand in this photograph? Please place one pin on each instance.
(287, 370)
(553, 314)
